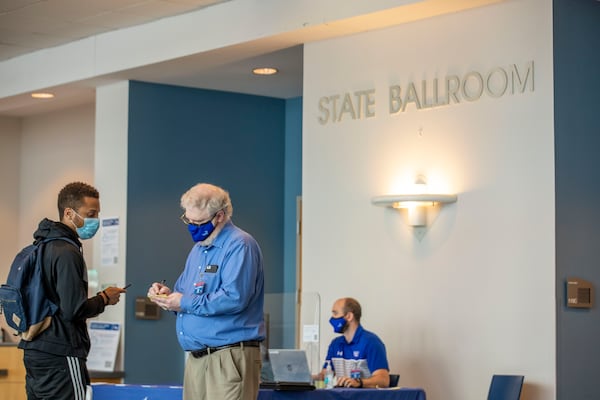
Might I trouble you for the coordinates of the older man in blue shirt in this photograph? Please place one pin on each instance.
(218, 300)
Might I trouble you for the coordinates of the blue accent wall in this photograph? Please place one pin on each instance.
(179, 137)
(577, 146)
(293, 187)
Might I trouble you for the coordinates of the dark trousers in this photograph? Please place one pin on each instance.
(55, 377)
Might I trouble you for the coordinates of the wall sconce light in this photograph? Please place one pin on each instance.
(415, 204)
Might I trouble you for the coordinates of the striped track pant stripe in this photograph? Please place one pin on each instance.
(77, 379)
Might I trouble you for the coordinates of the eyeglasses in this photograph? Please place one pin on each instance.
(188, 221)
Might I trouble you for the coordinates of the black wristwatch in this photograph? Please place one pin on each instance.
(360, 384)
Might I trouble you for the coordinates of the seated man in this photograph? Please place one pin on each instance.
(355, 350)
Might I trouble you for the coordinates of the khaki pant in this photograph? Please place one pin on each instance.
(228, 374)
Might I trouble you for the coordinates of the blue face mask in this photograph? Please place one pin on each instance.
(89, 228)
(339, 324)
(201, 232)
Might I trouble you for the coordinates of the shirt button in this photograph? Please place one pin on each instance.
(181, 333)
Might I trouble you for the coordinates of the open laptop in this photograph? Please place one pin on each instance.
(289, 370)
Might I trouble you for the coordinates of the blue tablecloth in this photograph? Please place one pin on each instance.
(345, 394)
(149, 392)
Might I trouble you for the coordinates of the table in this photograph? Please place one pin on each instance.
(151, 392)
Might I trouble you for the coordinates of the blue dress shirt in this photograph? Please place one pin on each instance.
(223, 292)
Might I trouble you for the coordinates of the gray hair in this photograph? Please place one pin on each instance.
(205, 196)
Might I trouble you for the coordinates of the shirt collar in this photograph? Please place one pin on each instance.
(221, 236)
(357, 334)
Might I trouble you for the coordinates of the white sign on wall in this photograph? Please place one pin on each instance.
(104, 337)
(110, 241)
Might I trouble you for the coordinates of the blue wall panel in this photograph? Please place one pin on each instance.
(293, 187)
(177, 138)
(577, 145)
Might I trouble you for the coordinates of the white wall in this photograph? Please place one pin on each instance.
(45, 152)
(112, 105)
(56, 148)
(38, 156)
(10, 145)
(476, 296)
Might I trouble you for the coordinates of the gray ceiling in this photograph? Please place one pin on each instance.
(32, 25)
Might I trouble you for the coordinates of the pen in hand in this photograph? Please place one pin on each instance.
(126, 286)
(163, 283)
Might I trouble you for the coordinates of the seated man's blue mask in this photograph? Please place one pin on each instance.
(339, 324)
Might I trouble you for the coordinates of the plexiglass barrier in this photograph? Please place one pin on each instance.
(292, 322)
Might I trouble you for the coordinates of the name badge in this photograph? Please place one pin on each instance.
(199, 287)
(211, 269)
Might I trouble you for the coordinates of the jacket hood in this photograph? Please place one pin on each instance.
(51, 229)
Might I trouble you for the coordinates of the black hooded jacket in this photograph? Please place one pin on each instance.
(66, 284)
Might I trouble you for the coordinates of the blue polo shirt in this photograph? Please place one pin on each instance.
(223, 292)
(366, 352)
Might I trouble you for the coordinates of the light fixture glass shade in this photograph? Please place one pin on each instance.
(417, 216)
(417, 206)
(409, 200)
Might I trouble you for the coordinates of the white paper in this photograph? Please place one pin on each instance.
(104, 337)
(310, 333)
(109, 253)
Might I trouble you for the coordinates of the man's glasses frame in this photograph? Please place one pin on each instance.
(188, 221)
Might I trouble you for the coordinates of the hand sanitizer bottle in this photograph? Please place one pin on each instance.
(328, 376)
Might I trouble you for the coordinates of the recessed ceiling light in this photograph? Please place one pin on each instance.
(265, 71)
(42, 95)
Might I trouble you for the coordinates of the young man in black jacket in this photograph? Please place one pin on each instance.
(55, 360)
